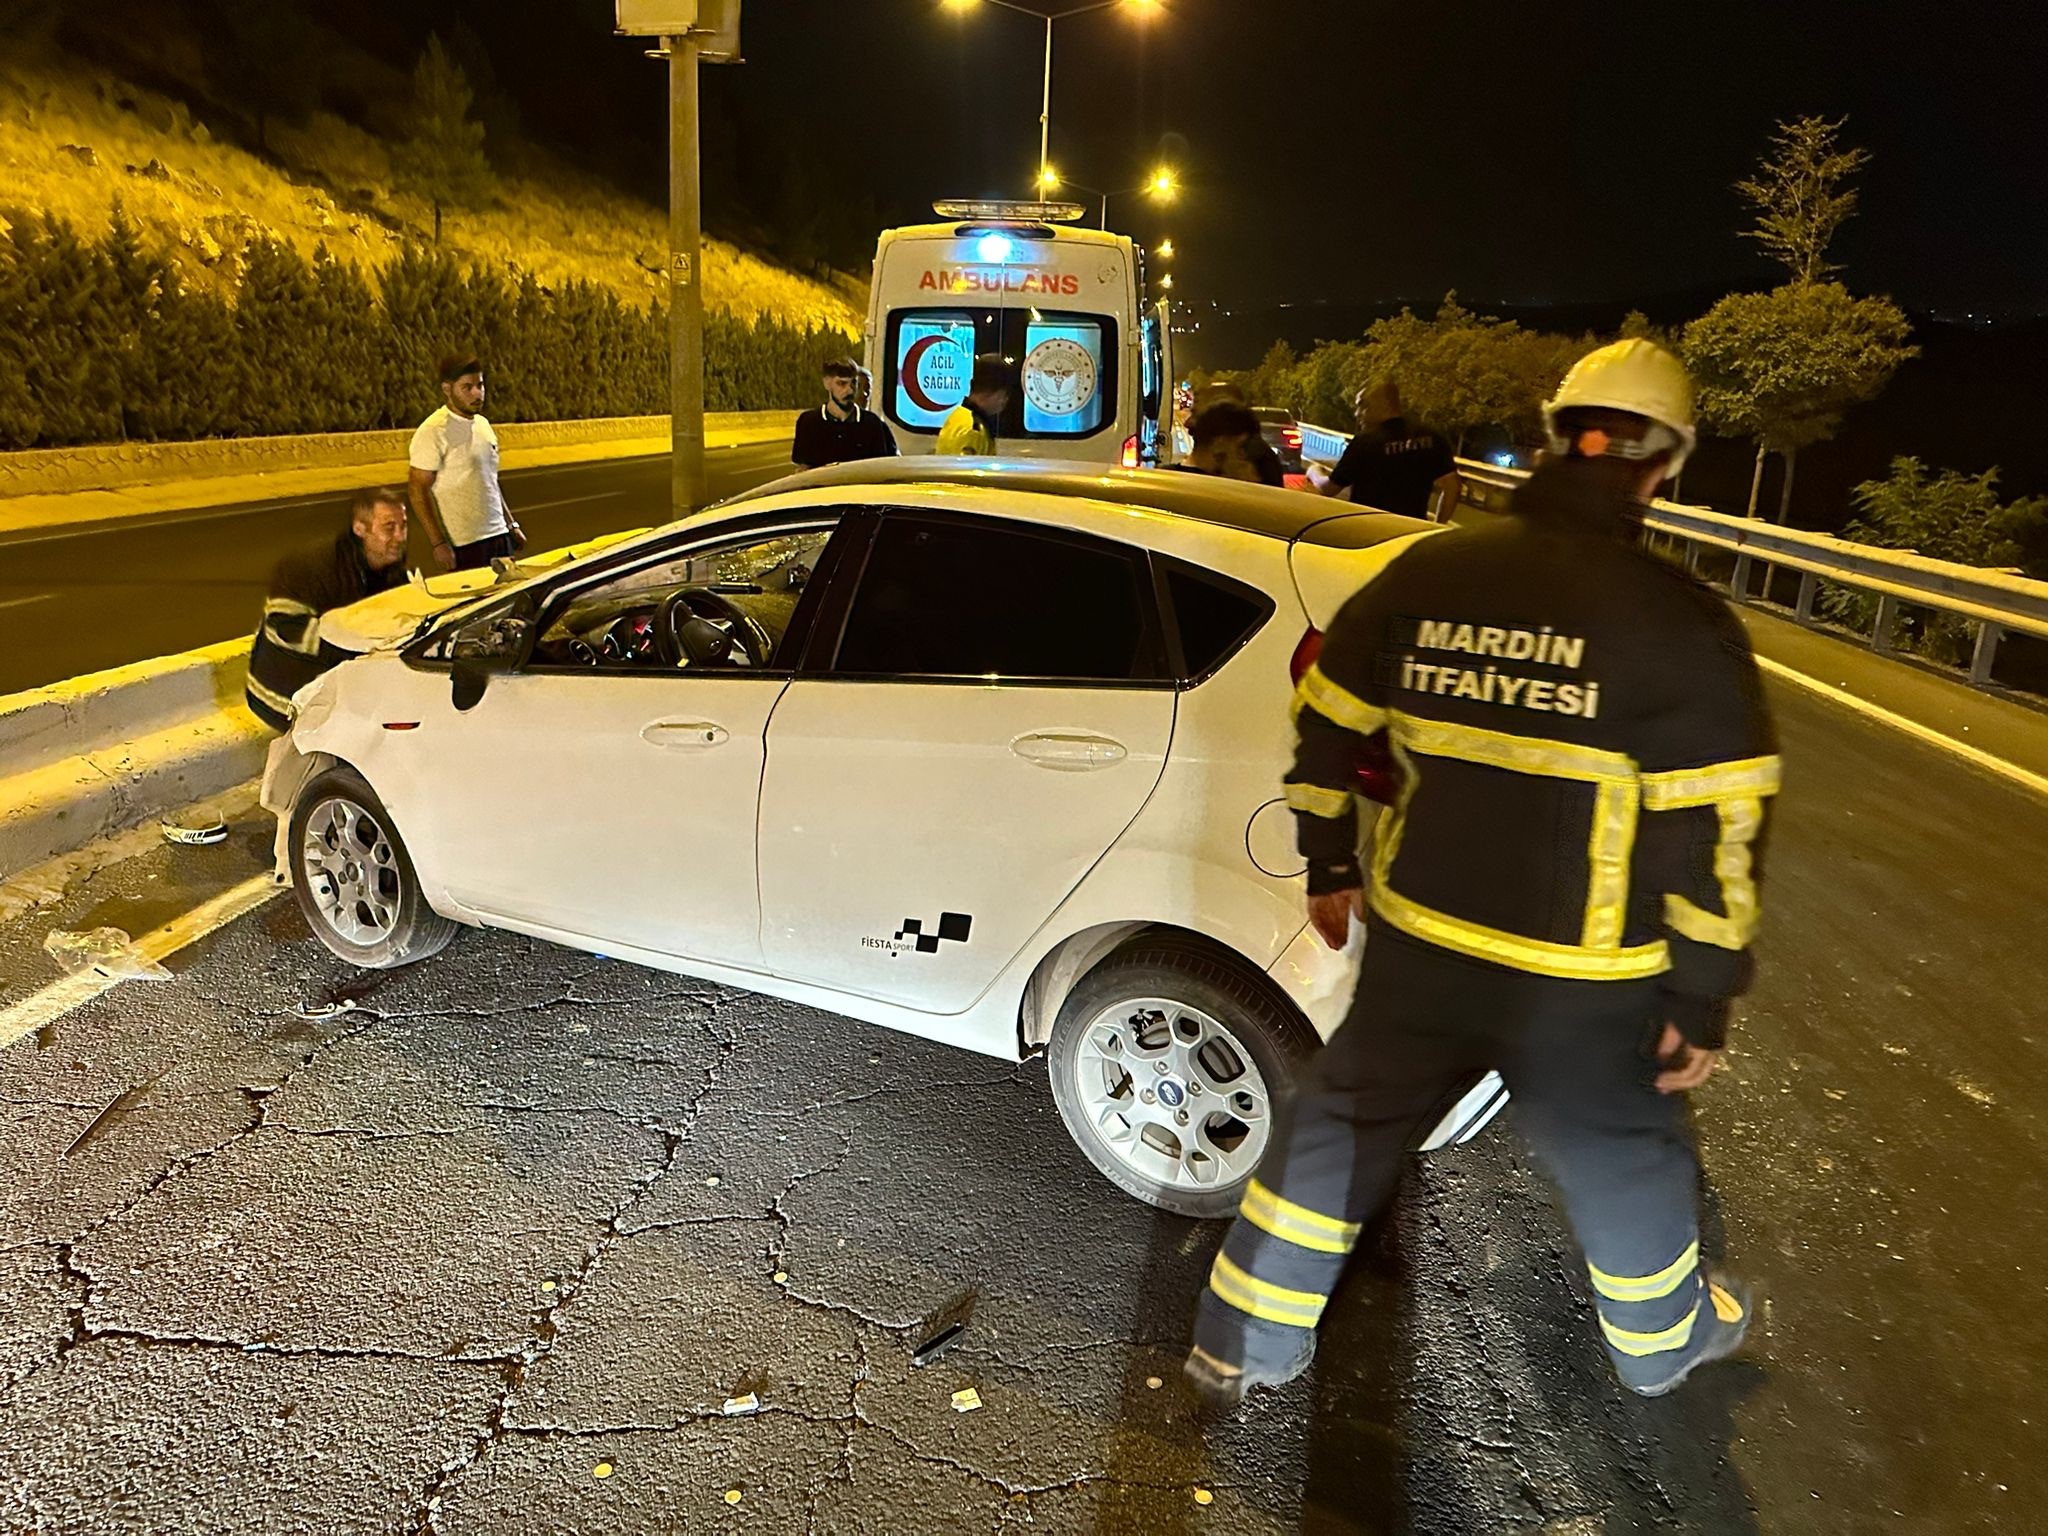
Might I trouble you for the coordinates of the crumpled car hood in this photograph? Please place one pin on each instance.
(391, 618)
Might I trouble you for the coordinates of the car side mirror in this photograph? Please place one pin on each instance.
(480, 650)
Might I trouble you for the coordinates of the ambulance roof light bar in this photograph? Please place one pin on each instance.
(990, 211)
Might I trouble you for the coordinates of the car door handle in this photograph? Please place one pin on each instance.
(1069, 751)
(685, 734)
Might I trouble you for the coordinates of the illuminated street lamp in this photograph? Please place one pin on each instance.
(1165, 280)
(1142, 8)
(1162, 186)
(1163, 250)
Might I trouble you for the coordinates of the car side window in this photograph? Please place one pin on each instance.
(1213, 617)
(982, 599)
(722, 606)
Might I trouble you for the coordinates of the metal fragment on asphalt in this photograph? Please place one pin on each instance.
(966, 1400)
(740, 1407)
(197, 833)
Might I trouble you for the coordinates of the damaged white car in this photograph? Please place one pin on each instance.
(987, 754)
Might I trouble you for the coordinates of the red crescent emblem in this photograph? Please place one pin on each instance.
(908, 373)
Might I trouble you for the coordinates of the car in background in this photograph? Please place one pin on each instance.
(1283, 433)
(986, 751)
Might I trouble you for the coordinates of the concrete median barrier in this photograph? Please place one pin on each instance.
(110, 466)
(92, 756)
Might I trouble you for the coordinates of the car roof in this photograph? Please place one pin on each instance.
(1291, 515)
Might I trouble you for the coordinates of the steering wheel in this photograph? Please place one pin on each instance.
(750, 641)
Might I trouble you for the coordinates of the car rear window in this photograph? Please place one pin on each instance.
(1273, 415)
(1215, 617)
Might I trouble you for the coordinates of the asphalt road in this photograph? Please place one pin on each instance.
(489, 1251)
(77, 599)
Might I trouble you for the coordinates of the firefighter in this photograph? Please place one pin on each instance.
(1565, 888)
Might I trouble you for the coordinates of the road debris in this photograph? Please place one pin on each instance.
(105, 952)
(733, 1495)
(1204, 1496)
(315, 1013)
(119, 1105)
(741, 1407)
(1153, 1383)
(199, 832)
(602, 1469)
(966, 1400)
(943, 1329)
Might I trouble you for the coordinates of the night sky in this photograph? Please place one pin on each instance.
(1349, 150)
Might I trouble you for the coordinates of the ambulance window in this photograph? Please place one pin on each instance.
(1068, 373)
(930, 360)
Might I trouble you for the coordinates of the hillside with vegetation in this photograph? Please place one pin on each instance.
(185, 222)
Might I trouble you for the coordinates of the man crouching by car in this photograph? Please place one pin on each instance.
(365, 558)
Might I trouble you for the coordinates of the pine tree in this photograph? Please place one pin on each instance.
(442, 158)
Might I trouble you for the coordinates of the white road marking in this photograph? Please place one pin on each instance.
(1969, 754)
(23, 602)
(59, 998)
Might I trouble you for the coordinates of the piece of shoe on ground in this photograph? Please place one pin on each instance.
(1719, 1331)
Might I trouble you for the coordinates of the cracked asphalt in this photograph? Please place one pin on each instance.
(489, 1244)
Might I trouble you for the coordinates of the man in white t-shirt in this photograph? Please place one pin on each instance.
(454, 484)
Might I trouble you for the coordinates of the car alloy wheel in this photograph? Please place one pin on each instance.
(352, 872)
(1173, 1094)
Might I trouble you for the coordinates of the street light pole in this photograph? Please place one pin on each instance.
(1045, 107)
(1045, 99)
(687, 489)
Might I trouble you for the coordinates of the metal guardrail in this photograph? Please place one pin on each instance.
(1994, 601)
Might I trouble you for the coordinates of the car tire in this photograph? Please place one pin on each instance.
(388, 923)
(1231, 1052)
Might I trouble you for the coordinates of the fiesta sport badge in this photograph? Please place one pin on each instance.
(911, 937)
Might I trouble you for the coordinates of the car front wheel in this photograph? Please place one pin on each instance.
(1167, 1065)
(354, 880)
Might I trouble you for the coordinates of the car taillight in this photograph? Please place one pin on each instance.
(1306, 650)
(1131, 451)
(1379, 776)
(1291, 436)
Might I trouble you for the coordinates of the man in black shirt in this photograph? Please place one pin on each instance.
(365, 558)
(1394, 464)
(840, 430)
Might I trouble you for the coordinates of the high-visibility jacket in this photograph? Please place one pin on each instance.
(967, 431)
(1584, 752)
(287, 652)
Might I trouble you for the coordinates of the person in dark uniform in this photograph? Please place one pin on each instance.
(1394, 464)
(843, 428)
(365, 558)
(1565, 888)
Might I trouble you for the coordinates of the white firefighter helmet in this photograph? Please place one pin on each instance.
(1641, 378)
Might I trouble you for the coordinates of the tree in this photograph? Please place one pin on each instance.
(1783, 367)
(1944, 516)
(441, 158)
(1801, 197)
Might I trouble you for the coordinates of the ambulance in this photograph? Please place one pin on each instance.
(1067, 306)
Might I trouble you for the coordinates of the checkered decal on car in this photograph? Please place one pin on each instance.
(953, 926)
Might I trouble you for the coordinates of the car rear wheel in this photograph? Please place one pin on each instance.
(1167, 1065)
(354, 880)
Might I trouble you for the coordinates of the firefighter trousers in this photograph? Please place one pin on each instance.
(1577, 1057)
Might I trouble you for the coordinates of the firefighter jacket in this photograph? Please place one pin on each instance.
(1583, 751)
(288, 653)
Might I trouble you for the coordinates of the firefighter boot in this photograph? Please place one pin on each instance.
(1719, 1329)
(1222, 1386)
